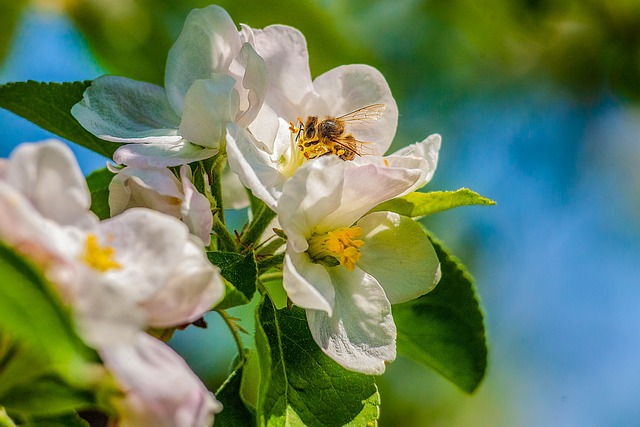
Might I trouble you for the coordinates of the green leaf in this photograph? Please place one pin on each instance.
(419, 204)
(444, 329)
(48, 105)
(70, 419)
(241, 271)
(98, 183)
(235, 414)
(32, 313)
(299, 384)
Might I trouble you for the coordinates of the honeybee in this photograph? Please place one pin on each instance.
(317, 137)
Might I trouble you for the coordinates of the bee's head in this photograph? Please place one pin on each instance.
(310, 127)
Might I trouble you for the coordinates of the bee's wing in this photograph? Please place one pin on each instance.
(364, 114)
(361, 148)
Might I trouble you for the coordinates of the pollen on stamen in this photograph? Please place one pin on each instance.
(100, 258)
(341, 244)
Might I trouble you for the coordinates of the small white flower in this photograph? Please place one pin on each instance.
(159, 388)
(160, 190)
(347, 267)
(212, 77)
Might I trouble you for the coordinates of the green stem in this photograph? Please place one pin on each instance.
(270, 262)
(260, 222)
(226, 242)
(234, 332)
(219, 163)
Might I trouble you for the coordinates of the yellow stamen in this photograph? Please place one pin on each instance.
(100, 258)
(340, 244)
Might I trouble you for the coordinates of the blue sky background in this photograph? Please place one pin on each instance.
(555, 261)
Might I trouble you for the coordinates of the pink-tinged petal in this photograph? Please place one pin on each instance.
(195, 210)
(208, 106)
(284, 50)
(366, 186)
(312, 194)
(360, 335)
(148, 245)
(308, 285)
(351, 87)
(161, 155)
(153, 188)
(159, 388)
(124, 110)
(253, 166)
(207, 44)
(399, 255)
(48, 175)
(252, 83)
(193, 288)
(423, 155)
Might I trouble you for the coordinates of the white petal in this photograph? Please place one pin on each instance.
(124, 110)
(422, 155)
(311, 195)
(194, 287)
(161, 155)
(147, 244)
(195, 210)
(207, 44)
(307, 284)
(361, 335)
(252, 83)
(399, 255)
(153, 188)
(366, 186)
(350, 87)
(208, 106)
(284, 50)
(159, 388)
(48, 175)
(253, 166)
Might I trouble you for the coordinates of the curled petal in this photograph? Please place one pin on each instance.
(252, 83)
(307, 284)
(161, 155)
(360, 335)
(255, 167)
(124, 110)
(195, 209)
(425, 152)
(209, 41)
(399, 255)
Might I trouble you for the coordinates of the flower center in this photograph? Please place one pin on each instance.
(100, 258)
(335, 247)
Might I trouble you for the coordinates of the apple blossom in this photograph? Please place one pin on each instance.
(347, 267)
(212, 77)
(266, 154)
(159, 189)
(159, 388)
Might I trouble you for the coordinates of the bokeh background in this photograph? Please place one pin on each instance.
(537, 104)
